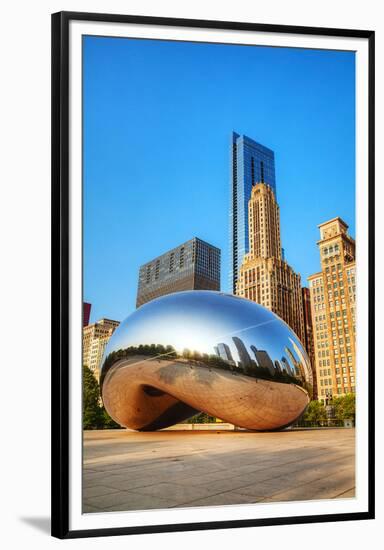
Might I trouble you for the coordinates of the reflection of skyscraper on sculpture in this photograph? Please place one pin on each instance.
(244, 356)
(278, 366)
(286, 366)
(263, 359)
(224, 351)
(293, 362)
(301, 363)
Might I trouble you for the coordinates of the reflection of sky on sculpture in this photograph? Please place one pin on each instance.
(200, 320)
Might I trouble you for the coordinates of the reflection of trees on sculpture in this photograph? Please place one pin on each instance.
(152, 350)
(247, 367)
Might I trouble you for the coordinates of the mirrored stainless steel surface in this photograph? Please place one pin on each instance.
(205, 351)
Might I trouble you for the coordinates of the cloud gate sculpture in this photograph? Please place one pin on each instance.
(205, 351)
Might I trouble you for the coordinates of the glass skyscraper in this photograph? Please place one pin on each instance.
(250, 163)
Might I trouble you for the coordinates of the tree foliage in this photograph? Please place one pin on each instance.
(315, 413)
(344, 407)
(201, 418)
(108, 422)
(94, 414)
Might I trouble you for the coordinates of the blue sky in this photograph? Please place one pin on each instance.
(158, 118)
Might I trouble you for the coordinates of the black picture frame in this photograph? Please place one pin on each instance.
(60, 271)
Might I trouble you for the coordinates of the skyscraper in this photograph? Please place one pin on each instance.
(264, 276)
(194, 265)
(250, 163)
(333, 311)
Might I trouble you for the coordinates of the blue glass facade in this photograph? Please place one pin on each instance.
(250, 163)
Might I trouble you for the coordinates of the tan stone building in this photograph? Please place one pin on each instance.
(264, 276)
(95, 338)
(333, 311)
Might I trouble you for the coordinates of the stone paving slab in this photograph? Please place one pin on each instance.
(99, 491)
(330, 487)
(126, 470)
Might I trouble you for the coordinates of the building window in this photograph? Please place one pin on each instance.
(171, 261)
(148, 274)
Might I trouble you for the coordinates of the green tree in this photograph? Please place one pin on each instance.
(94, 414)
(108, 422)
(201, 418)
(315, 413)
(92, 411)
(344, 407)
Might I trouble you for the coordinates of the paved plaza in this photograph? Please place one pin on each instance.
(126, 470)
